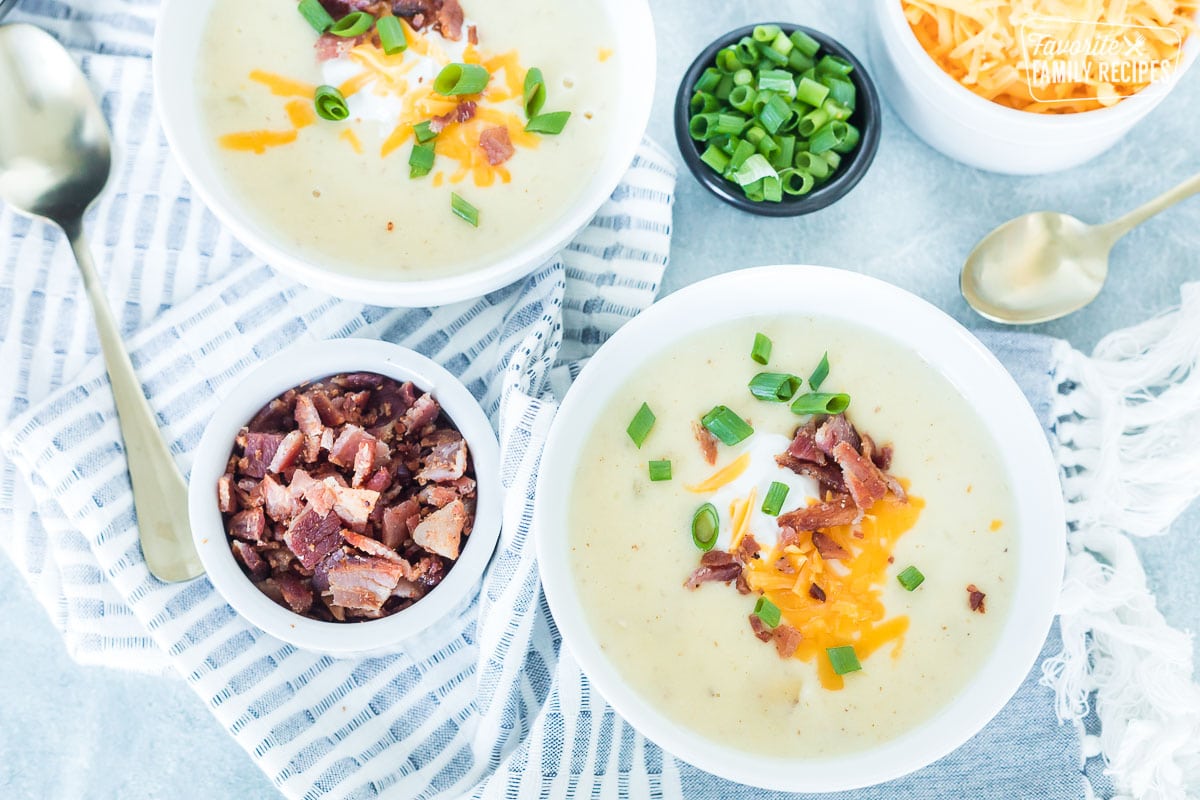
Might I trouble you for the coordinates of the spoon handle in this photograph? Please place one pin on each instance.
(1123, 225)
(159, 492)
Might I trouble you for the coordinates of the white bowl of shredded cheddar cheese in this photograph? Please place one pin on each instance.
(1021, 89)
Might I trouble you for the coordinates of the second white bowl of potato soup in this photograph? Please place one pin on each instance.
(800, 528)
(407, 152)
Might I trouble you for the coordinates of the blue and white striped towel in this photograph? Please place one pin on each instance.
(445, 714)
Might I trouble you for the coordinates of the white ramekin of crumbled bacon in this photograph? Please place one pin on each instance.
(346, 496)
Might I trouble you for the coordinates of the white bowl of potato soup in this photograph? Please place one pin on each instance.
(345, 497)
(800, 528)
(1016, 100)
(407, 152)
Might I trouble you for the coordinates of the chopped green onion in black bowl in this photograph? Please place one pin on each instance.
(778, 120)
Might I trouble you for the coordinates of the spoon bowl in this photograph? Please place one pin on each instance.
(1046, 265)
(55, 158)
(1035, 268)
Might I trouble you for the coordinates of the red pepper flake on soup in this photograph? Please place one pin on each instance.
(348, 498)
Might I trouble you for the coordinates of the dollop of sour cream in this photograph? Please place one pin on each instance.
(761, 472)
(385, 107)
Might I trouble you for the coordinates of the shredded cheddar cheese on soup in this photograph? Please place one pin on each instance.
(852, 611)
(390, 76)
(1053, 56)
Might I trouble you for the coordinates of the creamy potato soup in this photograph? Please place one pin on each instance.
(841, 655)
(346, 194)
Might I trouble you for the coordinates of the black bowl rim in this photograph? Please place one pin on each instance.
(829, 193)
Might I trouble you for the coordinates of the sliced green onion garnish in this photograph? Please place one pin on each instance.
(811, 92)
(709, 80)
(765, 33)
(849, 142)
(836, 110)
(776, 495)
(761, 351)
(640, 425)
(820, 373)
(833, 65)
(754, 169)
(706, 524)
(910, 578)
(330, 104)
(805, 43)
(821, 403)
(550, 124)
(715, 158)
(796, 182)
(772, 189)
(456, 79)
(775, 113)
(742, 98)
(705, 103)
(814, 165)
(535, 92)
(420, 161)
(660, 470)
(464, 210)
(353, 24)
(424, 132)
(840, 90)
(727, 426)
(746, 52)
(315, 14)
(843, 659)
(767, 611)
(774, 387)
(829, 137)
(777, 80)
(391, 35)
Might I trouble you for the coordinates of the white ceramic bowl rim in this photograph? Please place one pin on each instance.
(1086, 124)
(175, 42)
(284, 371)
(949, 348)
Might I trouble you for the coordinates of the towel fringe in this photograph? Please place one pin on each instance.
(1128, 445)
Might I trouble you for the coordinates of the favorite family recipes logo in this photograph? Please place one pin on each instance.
(1119, 60)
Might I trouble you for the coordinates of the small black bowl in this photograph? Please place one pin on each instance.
(866, 118)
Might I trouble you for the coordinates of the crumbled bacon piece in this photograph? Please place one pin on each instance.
(840, 510)
(834, 431)
(816, 593)
(787, 639)
(715, 565)
(296, 590)
(440, 531)
(827, 475)
(828, 548)
(254, 564)
(707, 442)
(975, 599)
(258, 453)
(463, 112)
(248, 525)
(473, 34)
(227, 502)
(760, 628)
(312, 537)
(496, 145)
(804, 444)
(363, 583)
(287, 453)
(747, 548)
(863, 479)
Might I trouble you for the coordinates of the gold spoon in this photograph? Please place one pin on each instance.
(54, 160)
(1045, 265)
